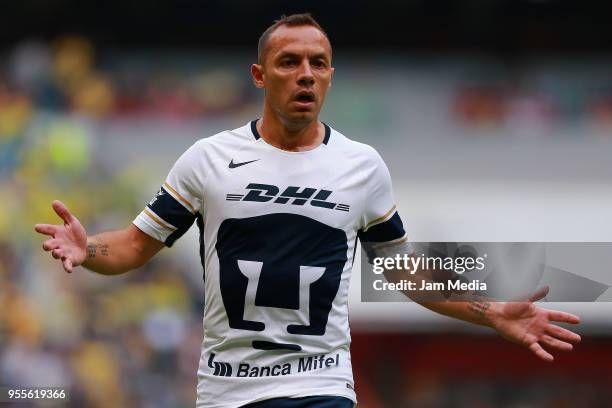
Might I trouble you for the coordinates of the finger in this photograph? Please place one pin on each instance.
(51, 244)
(556, 344)
(46, 229)
(61, 210)
(541, 353)
(562, 334)
(58, 253)
(539, 294)
(67, 264)
(557, 316)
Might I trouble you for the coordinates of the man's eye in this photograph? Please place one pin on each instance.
(287, 63)
(319, 64)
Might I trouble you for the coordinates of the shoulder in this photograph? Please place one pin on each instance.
(210, 147)
(363, 154)
(226, 138)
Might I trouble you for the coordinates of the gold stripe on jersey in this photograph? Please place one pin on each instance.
(180, 197)
(380, 219)
(158, 221)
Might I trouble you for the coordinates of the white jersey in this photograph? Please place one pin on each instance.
(278, 235)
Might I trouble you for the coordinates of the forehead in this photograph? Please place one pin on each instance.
(298, 40)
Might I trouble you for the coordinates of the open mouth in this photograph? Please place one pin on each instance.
(305, 97)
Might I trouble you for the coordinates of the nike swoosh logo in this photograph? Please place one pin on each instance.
(233, 165)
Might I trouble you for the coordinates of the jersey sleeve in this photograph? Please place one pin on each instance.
(382, 233)
(177, 203)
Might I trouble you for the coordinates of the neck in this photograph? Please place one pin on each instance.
(293, 137)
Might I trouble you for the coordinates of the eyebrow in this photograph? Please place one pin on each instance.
(289, 54)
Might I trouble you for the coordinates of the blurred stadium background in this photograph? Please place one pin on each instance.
(495, 118)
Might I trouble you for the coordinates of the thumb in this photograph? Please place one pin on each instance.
(67, 264)
(63, 212)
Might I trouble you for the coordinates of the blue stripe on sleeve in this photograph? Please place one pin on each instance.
(385, 231)
(173, 212)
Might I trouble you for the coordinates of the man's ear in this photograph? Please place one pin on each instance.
(331, 78)
(258, 75)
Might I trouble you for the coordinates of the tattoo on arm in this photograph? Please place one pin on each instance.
(92, 250)
(479, 308)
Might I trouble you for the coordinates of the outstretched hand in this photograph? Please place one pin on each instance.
(68, 242)
(525, 323)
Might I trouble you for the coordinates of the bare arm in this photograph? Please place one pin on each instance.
(115, 252)
(109, 253)
(520, 322)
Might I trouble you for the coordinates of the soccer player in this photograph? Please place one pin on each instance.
(280, 203)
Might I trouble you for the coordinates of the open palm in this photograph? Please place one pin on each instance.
(68, 242)
(525, 323)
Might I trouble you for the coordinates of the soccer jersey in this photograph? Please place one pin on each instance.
(278, 234)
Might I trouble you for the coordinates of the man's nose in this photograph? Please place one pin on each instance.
(305, 77)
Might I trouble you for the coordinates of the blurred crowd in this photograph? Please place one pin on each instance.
(70, 76)
(541, 102)
(124, 341)
(67, 75)
(134, 340)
